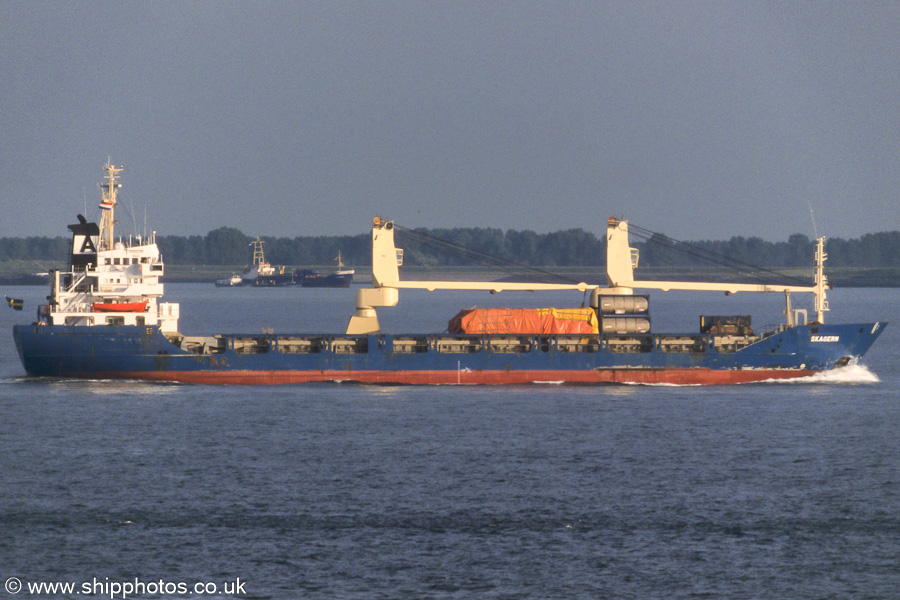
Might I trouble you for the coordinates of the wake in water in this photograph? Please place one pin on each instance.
(643, 384)
(842, 375)
(851, 374)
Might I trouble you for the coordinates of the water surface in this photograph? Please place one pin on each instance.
(777, 490)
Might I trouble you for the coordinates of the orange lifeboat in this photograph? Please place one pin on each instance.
(120, 306)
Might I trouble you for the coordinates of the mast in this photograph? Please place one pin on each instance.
(821, 280)
(259, 258)
(108, 205)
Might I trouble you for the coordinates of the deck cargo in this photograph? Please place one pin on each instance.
(624, 305)
(726, 325)
(529, 321)
(625, 325)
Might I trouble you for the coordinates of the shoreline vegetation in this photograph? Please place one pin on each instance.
(489, 254)
(14, 273)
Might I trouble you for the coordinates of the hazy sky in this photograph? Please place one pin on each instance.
(701, 120)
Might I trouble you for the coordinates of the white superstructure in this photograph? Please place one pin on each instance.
(260, 267)
(109, 281)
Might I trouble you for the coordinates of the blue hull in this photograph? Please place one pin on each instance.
(330, 281)
(144, 353)
(304, 278)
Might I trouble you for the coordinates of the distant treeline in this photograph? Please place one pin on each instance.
(572, 247)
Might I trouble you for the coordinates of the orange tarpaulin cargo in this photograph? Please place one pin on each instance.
(524, 321)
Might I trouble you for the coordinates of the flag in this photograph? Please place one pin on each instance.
(15, 303)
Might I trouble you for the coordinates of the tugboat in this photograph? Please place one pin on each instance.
(233, 281)
(263, 274)
(608, 342)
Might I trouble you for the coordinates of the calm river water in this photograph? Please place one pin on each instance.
(329, 491)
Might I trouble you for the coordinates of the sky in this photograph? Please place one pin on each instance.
(699, 120)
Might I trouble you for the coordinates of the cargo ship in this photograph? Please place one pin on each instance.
(340, 278)
(105, 320)
(262, 274)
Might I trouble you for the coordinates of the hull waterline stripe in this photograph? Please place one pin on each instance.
(696, 376)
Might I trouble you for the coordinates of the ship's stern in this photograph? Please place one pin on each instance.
(23, 336)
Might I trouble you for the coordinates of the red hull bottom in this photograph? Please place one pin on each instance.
(625, 376)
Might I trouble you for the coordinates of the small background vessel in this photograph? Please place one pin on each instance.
(233, 281)
(262, 274)
(341, 278)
